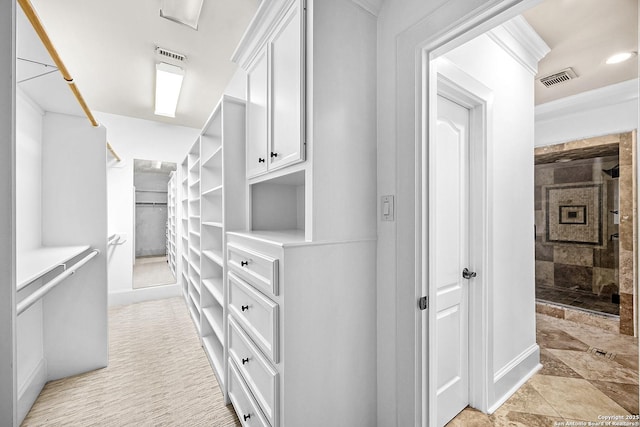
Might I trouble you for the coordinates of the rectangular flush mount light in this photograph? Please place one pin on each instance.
(185, 12)
(168, 84)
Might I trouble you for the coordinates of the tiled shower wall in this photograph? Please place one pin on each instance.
(582, 275)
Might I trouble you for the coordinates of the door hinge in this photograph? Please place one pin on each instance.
(423, 303)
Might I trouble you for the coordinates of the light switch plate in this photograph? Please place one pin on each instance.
(387, 208)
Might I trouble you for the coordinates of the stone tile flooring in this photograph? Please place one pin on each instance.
(577, 298)
(577, 382)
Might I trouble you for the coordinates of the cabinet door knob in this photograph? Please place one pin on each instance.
(274, 154)
(246, 360)
(260, 160)
(243, 263)
(246, 417)
(245, 307)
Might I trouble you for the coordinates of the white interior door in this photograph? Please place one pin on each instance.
(449, 257)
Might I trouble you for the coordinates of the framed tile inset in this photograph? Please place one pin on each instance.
(574, 213)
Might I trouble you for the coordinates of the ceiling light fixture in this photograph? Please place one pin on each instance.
(168, 84)
(620, 57)
(186, 12)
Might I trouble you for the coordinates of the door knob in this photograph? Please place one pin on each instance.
(468, 274)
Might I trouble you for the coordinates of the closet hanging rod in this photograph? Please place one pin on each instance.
(47, 287)
(36, 23)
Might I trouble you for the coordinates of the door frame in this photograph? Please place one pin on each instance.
(448, 80)
(416, 86)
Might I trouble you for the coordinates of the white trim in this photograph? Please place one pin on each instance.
(585, 101)
(371, 6)
(264, 22)
(435, 34)
(527, 361)
(462, 88)
(31, 389)
(145, 294)
(521, 41)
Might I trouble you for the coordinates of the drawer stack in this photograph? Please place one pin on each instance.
(253, 335)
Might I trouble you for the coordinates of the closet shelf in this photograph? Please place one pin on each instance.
(214, 287)
(215, 153)
(213, 256)
(213, 348)
(213, 191)
(194, 183)
(38, 262)
(210, 316)
(213, 224)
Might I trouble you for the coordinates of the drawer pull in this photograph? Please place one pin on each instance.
(274, 154)
(246, 417)
(245, 307)
(245, 360)
(260, 160)
(243, 263)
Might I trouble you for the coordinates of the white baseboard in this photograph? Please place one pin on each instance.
(31, 389)
(514, 374)
(144, 294)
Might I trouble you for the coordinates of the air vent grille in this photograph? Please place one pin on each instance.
(170, 54)
(559, 77)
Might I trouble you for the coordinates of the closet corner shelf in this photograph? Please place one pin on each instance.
(212, 190)
(35, 263)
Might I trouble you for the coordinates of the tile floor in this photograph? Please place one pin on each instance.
(577, 382)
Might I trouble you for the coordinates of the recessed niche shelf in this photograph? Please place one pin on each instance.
(279, 203)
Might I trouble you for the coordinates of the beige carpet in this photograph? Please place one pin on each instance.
(152, 271)
(158, 375)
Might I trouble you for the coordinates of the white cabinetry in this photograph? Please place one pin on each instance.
(215, 204)
(171, 222)
(301, 276)
(275, 99)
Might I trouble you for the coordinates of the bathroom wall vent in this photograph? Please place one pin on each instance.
(559, 77)
(170, 54)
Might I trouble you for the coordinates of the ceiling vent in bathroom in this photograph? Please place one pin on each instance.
(170, 54)
(559, 77)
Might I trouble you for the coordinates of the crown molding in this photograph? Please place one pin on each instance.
(520, 41)
(609, 95)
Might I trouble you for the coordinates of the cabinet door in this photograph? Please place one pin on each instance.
(287, 96)
(257, 131)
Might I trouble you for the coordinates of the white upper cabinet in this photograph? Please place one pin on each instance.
(257, 116)
(275, 95)
(287, 139)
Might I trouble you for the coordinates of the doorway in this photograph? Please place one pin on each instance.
(153, 217)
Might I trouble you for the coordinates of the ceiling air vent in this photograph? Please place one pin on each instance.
(559, 77)
(170, 54)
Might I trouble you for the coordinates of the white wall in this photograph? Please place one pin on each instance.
(30, 341)
(8, 398)
(511, 208)
(603, 111)
(135, 139)
(403, 27)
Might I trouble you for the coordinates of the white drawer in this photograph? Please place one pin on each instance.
(246, 407)
(257, 314)
(258, 269)
(258, 373)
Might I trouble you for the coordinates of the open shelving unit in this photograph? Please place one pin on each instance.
(215, 203)
(172, 212)
(184, 225)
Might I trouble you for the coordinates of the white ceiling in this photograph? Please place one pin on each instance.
(108, 47)
(582, 34)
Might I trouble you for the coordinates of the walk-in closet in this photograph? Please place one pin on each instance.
(285, 213)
